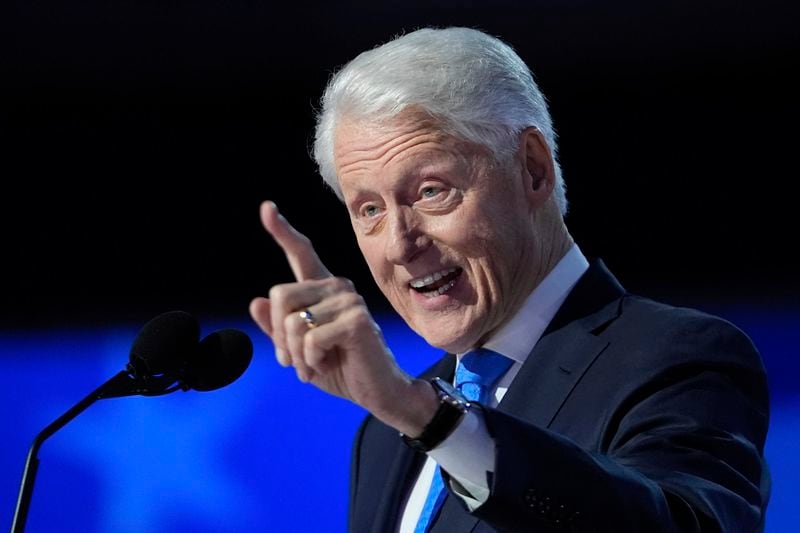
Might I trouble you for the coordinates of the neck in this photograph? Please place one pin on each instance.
(552, 243)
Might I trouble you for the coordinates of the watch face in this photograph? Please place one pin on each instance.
(449, 393)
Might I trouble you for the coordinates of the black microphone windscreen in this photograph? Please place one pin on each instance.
(165, 344)
(223, 356)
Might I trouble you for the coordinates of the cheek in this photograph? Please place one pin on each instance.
(474, 239)
(494, 248)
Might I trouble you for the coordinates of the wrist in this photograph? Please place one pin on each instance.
(411, 408)
(452, 409)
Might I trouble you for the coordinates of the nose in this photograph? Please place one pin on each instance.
(406, 236)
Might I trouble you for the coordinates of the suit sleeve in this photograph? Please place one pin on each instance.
(355, 466)
(681, 452)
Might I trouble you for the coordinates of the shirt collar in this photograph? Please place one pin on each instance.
(518, 337)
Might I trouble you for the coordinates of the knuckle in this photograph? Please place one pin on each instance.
(360, 316)
(277, 292)
(292, 323)
(343, 284)
(352, 299)
(311, 345)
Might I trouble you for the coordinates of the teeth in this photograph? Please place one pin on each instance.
(427, 280)
(441, 290)
(444, 288)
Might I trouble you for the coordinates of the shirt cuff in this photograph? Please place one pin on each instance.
(467, 455)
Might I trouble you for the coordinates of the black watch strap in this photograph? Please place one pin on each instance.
(452, 408)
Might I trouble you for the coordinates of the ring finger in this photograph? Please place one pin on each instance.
(296, 325)
(299, 323)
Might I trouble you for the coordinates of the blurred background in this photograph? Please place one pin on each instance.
(138, 139)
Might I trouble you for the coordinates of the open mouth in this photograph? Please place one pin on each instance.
(436, 283)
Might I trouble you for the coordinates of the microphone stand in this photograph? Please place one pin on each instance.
(122, 384)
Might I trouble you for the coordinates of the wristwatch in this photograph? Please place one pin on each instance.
(452, 408)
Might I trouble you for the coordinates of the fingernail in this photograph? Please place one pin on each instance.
(275, 208)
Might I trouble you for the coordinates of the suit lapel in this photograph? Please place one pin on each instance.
(549, 375)
(566, 350)
(454, 517)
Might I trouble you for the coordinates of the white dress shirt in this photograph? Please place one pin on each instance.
(468, 453)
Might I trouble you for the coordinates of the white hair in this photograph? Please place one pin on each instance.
(473, 84)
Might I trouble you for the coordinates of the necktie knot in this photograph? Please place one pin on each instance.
(478, 371)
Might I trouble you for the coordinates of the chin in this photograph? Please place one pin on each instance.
(452, 343)
(454, 330)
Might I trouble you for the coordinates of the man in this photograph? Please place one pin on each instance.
(611, 412)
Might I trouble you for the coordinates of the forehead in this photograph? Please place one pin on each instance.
(369, 138)
(408, 141)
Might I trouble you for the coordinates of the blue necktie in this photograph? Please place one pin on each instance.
(477, 373)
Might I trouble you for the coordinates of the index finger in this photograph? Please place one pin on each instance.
(303, 260)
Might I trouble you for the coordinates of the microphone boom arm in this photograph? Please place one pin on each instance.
(166, 355)
(122, 384)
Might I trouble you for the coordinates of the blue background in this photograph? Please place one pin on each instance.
(266, 453)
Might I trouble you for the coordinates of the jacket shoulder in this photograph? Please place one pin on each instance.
(684, 332)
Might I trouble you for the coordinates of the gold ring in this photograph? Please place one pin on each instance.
(308, 316)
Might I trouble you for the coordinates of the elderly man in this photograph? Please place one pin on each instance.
(576, 405)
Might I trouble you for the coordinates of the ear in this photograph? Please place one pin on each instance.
(538, 170)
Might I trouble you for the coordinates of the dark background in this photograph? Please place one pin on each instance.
(140, 137)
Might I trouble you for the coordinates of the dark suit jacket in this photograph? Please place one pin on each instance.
(628, 415)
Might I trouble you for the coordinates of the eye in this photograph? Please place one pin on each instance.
(369, 210)
(430, 191)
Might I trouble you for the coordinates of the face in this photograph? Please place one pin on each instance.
(447, 232)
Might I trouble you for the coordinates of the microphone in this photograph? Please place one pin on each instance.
(164, 344)
(166, 355)
(221, 359)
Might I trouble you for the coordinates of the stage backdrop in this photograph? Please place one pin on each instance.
(266, 453)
